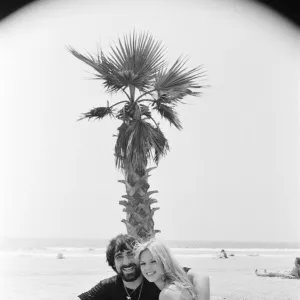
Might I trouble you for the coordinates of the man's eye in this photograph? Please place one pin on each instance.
(131, 254)
(119, 257)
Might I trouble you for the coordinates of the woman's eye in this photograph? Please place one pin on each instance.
(142, 264)
(153, 261)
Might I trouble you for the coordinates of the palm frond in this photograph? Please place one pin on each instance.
(145, 111)
(138, 142)
(123, 115)
(133, 110)
(121, 145)
(168, 112)
(177, 82)
(140, 55)
(133, 61)
(163, 145)
(97, 113)
(136, 62)
(176, 96)
(89, 59)
(129, 111)
(105, 70)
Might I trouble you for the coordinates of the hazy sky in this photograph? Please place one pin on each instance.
(231, 173)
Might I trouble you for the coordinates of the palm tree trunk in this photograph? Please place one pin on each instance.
(139, 214)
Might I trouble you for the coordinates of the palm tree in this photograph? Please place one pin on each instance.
(136, 67)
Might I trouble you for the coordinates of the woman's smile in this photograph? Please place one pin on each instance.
(150, 273)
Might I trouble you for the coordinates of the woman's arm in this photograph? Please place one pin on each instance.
(201, 284)
(172, 293)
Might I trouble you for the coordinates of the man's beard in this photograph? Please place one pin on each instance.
(132, 276)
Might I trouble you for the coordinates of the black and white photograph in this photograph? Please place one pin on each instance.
(149, 150)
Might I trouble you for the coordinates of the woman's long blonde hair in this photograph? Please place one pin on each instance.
(173, 272)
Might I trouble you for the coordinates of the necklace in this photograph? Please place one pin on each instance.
(129, 295)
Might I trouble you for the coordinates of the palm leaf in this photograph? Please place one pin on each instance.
(121, 146)
(163, 145)
(89, 59)
(141, 55)
(143, 138)
(137, 62)
(169, 113)
(139, 142)
(145, 111)
(133, 110)
(134, 61)
(177, 82)
(105, 70)
(97, 113)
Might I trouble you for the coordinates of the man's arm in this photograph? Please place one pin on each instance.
(201, 284)
(94, 293)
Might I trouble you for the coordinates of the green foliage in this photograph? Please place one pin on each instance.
(138, 142)
(136, 66)
(176, 83)
(168, 112)
(134, 61)
(98, 113)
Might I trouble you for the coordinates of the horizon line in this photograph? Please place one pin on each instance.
(167, 240)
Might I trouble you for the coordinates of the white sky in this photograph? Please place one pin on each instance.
(231, 173)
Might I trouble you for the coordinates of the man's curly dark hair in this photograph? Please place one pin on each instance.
(120, 243)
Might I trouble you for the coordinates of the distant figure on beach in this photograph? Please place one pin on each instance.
(129, 283)
(223, 254)
(60, 256)
(159, 266)
(293, 274)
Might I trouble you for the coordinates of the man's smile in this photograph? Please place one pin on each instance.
(128, 269)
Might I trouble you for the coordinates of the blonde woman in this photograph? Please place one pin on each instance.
(159, 266)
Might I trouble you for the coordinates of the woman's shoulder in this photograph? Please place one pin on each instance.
(172, 292)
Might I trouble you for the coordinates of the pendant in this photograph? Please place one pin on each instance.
(128, 297)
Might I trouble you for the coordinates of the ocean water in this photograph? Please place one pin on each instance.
(96, 247)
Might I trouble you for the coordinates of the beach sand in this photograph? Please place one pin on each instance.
(45, 277)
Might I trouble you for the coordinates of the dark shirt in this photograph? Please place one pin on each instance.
(112, 288)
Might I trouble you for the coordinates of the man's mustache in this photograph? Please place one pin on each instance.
(128, 266)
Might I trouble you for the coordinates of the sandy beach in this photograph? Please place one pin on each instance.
(30, 276)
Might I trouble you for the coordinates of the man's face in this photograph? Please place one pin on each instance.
(127, 266)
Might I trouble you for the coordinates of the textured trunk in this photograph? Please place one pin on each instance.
(139, 214)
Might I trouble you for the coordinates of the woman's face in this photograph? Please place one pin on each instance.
(151, 269)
